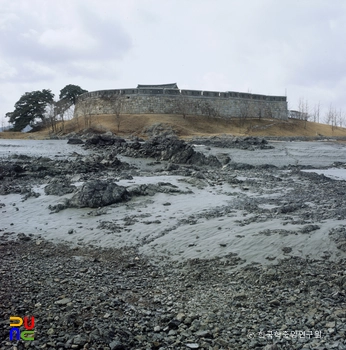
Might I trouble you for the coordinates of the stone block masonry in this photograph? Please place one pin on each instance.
(169, 99)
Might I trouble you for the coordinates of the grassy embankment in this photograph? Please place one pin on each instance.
(191, 126)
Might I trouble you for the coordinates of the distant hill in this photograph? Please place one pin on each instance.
(190, 126)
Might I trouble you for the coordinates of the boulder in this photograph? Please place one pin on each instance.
(106, 139)
(247, 143)
(75, 141)
(98, 193)
(59, 187)
(175, 151)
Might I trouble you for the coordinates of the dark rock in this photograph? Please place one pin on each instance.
(338, 235)
(80, 339)
(266, 166)
(8, 169)
(274, 302)
(174, 324)
(204, 334)
(75, 141)
(63, 301)
(152, 189)
(315, 177)
(161, 148)
(98, 193)
(247, 143)
(58, 187)
(342, 246)
(23, 237)
(17, 168)
(240, 166)
(105, 140)
(224, 158)
(176, 151)
(271, 347)
(289, 208)
(117, 345)
(309, 228)
(171, 167)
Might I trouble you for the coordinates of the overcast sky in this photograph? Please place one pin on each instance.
(260, 46)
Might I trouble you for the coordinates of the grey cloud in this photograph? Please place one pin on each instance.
(265, 46)
(26, 45)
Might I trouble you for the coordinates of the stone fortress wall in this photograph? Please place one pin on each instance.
(169, 99)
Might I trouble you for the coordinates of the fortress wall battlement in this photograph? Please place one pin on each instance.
(158, 100)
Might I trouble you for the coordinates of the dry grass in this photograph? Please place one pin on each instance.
(192, 126)
(21, 135)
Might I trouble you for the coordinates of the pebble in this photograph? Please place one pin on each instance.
(63, 301)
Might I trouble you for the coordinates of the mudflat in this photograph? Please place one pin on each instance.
(215, 243)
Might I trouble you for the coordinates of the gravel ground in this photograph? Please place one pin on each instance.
(116, 299)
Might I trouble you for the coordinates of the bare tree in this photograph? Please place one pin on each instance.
(183, 106)
(268, 112)
(68, 115)
(208, 110)
(244, 111)
(117, 107)
(77, 122)
(331, 117)
(261, 110)
(51, 116)
(316, 113)
(86, 110)
(250, 110)
(70, 112)
(303, 108)
(306, 115)
(116, 102)
(55, 112)
(60, 111)
(76, 119)
(339, 118)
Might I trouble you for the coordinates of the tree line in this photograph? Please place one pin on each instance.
(335, 117)
(38, 108)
